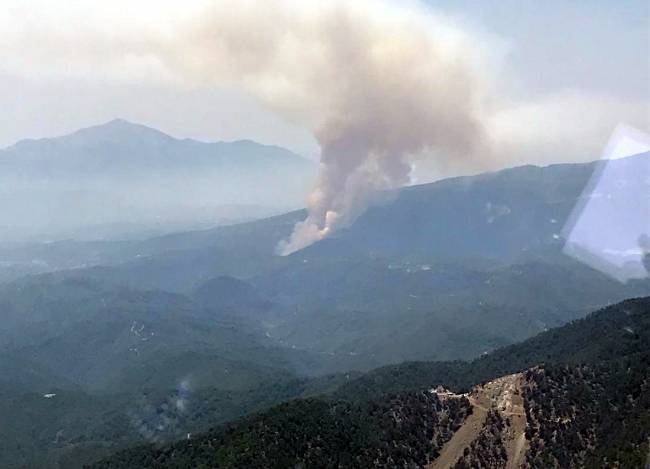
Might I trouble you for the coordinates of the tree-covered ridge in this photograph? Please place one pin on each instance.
(620, 330)
(398, 431)
(73, 429)
(591, 417)
(588, 406)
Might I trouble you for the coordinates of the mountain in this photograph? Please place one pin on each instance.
(77, 334)
(599, 337)
(125, 398)
(121, 178)
(516, 215)
(87, 369)
(120, 147)
(250, 328)
(519, 215)
(433, 274)
(71, 428)
(586, 407)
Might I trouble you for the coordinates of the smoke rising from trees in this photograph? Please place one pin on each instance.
(381, 86)
(376, 84)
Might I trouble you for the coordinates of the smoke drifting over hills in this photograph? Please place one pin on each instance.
(374, 82)
(376, 85)
(380, 85)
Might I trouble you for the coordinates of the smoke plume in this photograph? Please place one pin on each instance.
(382, 86)
(376, 84)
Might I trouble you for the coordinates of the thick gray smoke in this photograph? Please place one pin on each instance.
(377, 84)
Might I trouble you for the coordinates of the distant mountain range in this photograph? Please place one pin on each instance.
(120, 147)
(122, 178)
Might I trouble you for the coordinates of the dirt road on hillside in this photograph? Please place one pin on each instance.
(468, 432)
(505, 395)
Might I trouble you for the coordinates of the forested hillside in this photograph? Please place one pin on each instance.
(146, 384)
(585, 404)
(404, 430)
(442, 271)
(589, 416)
(218, 315)
(617, 331)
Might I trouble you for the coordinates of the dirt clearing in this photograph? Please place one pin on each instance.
(504, 395)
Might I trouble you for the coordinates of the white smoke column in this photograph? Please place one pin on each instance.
(377, 84)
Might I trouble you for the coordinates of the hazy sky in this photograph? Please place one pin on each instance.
(575, 66)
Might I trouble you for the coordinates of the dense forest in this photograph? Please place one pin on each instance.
(601, 336)
(400, 430)
(589, 417)
(587, 406)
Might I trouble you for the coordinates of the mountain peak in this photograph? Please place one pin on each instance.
(118, 131)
